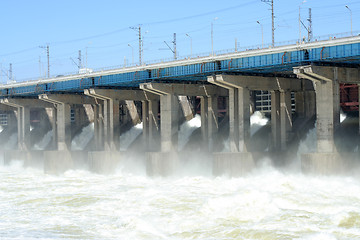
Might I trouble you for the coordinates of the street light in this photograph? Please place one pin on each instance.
(132, 52)
(190, 44)
(350, 18)
(212, 36)
(262, 34)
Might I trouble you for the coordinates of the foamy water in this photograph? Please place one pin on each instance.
(127, 138)
(266, 204)
(81, 140)
(186, 129)
(192, 204)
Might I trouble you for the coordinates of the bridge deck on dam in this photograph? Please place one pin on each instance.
(278, 60)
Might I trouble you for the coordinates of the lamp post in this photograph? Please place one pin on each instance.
(190, 44)
(262, 34)
(212, 36)
(132, 53)
(350, 18)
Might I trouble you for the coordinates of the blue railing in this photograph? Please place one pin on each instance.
(272, 62)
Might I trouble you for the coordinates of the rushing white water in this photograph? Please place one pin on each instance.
(342, 116)
(81, 140)
(266, 204)
(257, 121)
(186, 129)
(44, 142)
(127, 138)
(11, 142)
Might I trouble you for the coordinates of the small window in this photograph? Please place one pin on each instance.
(3, 119)
(72, 115)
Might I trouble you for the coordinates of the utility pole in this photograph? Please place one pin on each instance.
(39, 66)
(173, 50)
(174, 42)
(138, 30)
(262, 34)
(308, 28)
(212, 35)
(79, 58)
(48, 57)
(10, 72)
(310, 33)
(271, 3)
(300, 22)
(212, 39)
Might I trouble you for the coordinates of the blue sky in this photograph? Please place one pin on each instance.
(102, 29)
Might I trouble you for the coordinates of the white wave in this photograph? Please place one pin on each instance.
(266, 204)
(81, 140)
(186, 129)
(44, 141)
(127, 138)
(343, 116)
(257, 120)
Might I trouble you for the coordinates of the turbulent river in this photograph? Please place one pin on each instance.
(266, 204)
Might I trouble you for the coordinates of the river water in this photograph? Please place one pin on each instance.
(268, 203)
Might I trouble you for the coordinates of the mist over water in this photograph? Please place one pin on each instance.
(81, 140)
(127, 138)
(267, 203)
(44, 142)
(257, 120)
(11, 142)
(186, 129)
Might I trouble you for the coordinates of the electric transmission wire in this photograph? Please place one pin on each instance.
(18, 52)
(201, 15)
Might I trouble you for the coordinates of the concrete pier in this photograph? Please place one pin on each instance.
(239, 160)
(22, 108)
(107, 127)
(151, 125)
(209, 121)
(239, 87)
(281, 119)
(165, 162)
(62, 131)
(326, 79)
(316, 91)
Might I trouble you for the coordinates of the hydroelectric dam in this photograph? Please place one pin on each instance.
(308, 84)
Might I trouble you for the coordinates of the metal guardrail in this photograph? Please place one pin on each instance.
(196, 56)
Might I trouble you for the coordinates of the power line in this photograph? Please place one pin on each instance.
(90, 37)
(18, 52)
(201, 15)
